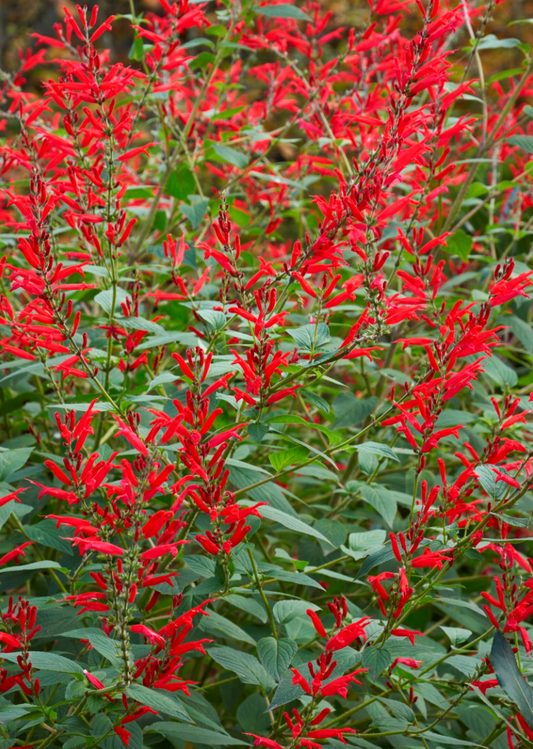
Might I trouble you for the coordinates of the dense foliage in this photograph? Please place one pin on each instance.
(266, 363)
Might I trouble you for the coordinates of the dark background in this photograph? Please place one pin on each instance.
(19, 18)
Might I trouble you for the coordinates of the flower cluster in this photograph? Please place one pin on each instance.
(265, 392)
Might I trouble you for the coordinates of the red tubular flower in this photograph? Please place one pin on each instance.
(162, 550)
(330, 733)
(11, 642)
(93, 680)
(484, 685)
(132, 438)
(127, 155)
(375, 582)
(395, 548)
(346, 636)
(299, 679)
(262, 741)
(124, 735)
(341, 685)
(409, 662)
(150, 635)
(14, 553)
(316, 623)
(11, 496)
(115, 258)
(92, 543)
(410, 634)
(207, 544)
(432, 559)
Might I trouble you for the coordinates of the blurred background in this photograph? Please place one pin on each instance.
(20, 18)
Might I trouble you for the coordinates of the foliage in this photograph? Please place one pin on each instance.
(266, 369)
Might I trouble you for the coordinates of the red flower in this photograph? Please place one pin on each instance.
(261, 741)
(341, 685)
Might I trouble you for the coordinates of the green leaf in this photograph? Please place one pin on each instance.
(525, 142)
(380, 556)
(105, 298)
(185, 339)
(257, 430)
(196, 211)
(333, 530)
(475, 190)
(102, 643)
(364, 542)
(376, 448)
(195, 735)
(137, 52)
(522, 331)
(19, 509)
(453, 417)
(465, 613)
(310, 337)
(306, 446)
(158, 699)
(140, 323)
(102, 730)
(48, 662)
(509, 677)
(45, 564)
(399, 709)
(253, 716)
(215, 318)
(248, 604)
(200, 709)
(46, 534)
(460, 244)
(216, 30)
(499, 372)
(100, 725)
(160, 220)
(377, 660)
(316, 400)
(283, 10)
(490, 41)
(276, 655)
(219, 625)
(203, 60)
(13, 460)
(382, 501)
(350, 410)
(487, 479)
(269, 492)
(81, 407)
(180, 183)
(15, 403)
(286, 611)
(443, 739)
(368, 462)
(456, 635)
(466, 664)
(245, 665)
(279, 460)
(202, 565)
(516, 522)
(231, 156)
(13, 712)
(296, 578)
(290, 522)
(161, 379)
